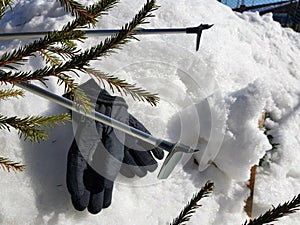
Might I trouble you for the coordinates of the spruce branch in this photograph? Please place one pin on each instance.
(67, 34)
(31, 126)
(186, 214)
(277, 212)
(49, 57)
(76, 9)
(18, 56)
(16, 77)
(5, 94)
(55, 54)
(111, 43)
(65, 51)
(123, 87)
(95, 10)
(9, 165)
(82, 99)
(101, 7)
(126, 33)
(4, 4)
(80, 61)
(79, 97)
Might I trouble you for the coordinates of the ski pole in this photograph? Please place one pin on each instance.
(189, 30)
(176, 150)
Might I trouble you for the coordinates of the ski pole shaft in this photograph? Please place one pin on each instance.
(91, 33)
(189, 30)
(175, 150)
(95, 115)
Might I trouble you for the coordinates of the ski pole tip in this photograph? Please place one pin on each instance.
(173, 158)
(198, 30)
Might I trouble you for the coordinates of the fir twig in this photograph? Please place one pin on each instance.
(3, 6)
(126, 33)
(19, 55)
(16, 77)
(50, 58)
(95, 10)
(277, 212)
(54, 54)
(77, 10)
(82, 99)
(65, 51)
(123, 87)
(5, 94)
(8, 165)
(30, 127)
(186, 214)
(111, 43)
(80, 61)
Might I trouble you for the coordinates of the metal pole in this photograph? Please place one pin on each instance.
(66, 103)
(92, 33)
(189, 30)
(175, 150)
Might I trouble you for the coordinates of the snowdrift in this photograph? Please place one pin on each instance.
(211, 99)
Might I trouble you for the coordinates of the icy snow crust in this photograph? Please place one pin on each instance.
(211, 99)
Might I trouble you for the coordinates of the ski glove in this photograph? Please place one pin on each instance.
(99, 152)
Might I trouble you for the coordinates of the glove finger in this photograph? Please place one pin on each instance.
(80, 203)
(144, 159)
(76, 166)
(130, 171)
(96, 202)
(93, 181)
(158, 153)
(126, 171)
(100, 200)
(129, 167)
(132, 142)
(107, 197)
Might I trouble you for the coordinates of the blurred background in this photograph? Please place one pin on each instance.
(287, 12)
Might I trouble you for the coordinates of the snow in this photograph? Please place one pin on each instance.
(211, 99)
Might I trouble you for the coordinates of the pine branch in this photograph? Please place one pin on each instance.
(65, 51)
(277, 212)
(79, 61)
(50, 58)
(66, 35)
(186, 214)
(114, 42)
(125, 34)
(5, 94)
(82, 99)
(4, 4)
(8, 165)
(16, 77)
(76, 9)
(55, 54)
(30, 127)
(18, 56)
(123, 87)
(96, 10)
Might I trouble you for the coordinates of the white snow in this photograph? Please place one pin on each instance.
(211, 99)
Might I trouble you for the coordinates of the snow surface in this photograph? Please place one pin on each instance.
(211, 99)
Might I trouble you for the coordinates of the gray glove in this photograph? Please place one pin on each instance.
(99, 152)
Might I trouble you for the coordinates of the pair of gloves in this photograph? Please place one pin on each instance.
(99, 152)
